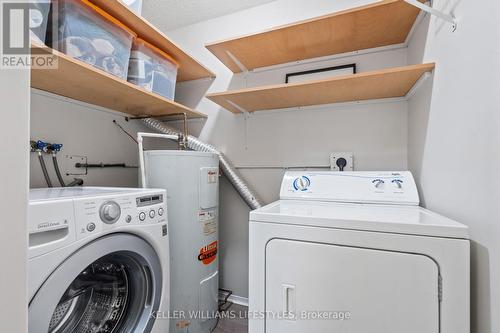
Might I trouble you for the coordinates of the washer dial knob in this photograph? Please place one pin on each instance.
(110, 212)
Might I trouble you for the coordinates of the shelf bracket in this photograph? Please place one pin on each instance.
(429, 9)
(237, 62)
(417, 85)
(236, 106)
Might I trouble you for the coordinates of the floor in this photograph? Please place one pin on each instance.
(238, 323)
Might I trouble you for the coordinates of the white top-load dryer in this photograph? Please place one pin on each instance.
(352, 252)
(98, 260)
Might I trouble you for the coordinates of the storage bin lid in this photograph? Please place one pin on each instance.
(108, 17)
(155, 49)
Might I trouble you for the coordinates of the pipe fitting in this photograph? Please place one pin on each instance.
(228, 169)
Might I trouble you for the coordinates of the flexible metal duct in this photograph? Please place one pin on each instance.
(229, 171)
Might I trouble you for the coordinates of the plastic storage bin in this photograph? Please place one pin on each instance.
(152, 69)
(38, 19)
(88, 33)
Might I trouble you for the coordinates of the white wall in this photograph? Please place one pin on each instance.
(14, 133)
(376, 133)
(84, 130)
(454, 138)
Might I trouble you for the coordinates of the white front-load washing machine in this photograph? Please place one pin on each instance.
(98, 261)
(353, 252)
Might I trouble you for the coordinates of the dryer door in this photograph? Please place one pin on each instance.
(112, 285)
(313, 287)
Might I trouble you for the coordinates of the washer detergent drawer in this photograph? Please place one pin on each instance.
(351, 290)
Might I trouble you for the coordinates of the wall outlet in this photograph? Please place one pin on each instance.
(349, 161)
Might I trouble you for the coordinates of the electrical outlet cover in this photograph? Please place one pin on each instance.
(349, 157)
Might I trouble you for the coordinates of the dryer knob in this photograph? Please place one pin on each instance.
(378, 183)
(110, 212)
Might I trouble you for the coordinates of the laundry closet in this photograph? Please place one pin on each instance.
(251, 153)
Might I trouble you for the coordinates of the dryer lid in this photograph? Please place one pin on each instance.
(411, 220)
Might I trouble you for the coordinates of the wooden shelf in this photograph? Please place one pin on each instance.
(387, 83)
(190, 69)
(83, 82)
(380, 24)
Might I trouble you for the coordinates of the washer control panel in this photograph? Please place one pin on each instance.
(94, 215)
(357, 187)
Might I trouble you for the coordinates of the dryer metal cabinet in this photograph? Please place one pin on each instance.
(352, 252)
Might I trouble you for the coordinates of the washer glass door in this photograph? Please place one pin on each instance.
(116, 289)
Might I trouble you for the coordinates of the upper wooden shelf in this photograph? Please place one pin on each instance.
(380, 24)
(78, 80)
(190, 69)
(387, 83)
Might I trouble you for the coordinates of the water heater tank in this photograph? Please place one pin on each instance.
(192, 183)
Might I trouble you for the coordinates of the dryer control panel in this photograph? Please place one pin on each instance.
(358, 187)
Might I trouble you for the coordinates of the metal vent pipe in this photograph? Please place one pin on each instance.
(227, 168)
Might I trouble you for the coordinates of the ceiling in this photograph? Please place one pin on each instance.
(173, 14)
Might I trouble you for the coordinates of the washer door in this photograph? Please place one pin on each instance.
(112, 285)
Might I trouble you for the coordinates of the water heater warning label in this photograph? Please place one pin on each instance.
(208, 253)
(210, 227)
(212, 177)
(209, 222)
